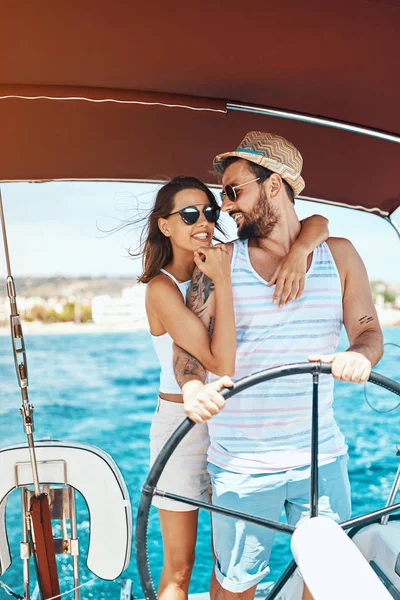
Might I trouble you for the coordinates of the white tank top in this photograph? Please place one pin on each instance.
(163, 345)
(267, 428)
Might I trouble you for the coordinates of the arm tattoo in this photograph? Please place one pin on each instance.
(365, 319)
(199, 292)
(187, 367)
(211, 324)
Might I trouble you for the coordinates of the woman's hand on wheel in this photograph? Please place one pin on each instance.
(203, 401)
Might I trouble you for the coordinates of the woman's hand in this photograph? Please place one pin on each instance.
(214, 262)
(202, 401)
(289, 277)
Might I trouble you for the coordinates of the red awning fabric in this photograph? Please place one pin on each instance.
(141, 91)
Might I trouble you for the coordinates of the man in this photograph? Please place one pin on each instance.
(259, 453)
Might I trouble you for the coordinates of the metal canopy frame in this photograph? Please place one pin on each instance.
(315, 120)
(200, 105)
(73, 97)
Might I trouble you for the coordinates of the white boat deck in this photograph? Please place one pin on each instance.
(262, 592)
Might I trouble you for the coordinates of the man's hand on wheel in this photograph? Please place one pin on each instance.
(346, 366)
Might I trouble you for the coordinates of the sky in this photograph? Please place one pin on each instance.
(56, 228)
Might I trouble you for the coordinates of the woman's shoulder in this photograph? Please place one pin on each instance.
(161, 283)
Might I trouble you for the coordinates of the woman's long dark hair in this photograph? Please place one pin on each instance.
(154, 245)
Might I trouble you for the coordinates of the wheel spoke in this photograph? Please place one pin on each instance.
(314, 445)
(283, 579)
(370, 517)
(221, 510)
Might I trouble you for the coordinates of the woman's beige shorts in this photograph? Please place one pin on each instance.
(186, 471)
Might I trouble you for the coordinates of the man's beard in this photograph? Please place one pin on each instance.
(260, 222)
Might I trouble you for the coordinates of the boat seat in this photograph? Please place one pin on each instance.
(331, 565)
(380, 544)
(94, 474)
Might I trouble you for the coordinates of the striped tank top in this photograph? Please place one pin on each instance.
(267, 428)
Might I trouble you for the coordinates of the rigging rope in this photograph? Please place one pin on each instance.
(9, 591)
(73, 589)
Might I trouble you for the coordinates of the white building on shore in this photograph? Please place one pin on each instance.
(128, 308)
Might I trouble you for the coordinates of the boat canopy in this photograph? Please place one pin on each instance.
(146, 91)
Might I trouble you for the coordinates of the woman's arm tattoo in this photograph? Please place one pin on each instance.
(187, 367)
(211, 324)
(199, 292)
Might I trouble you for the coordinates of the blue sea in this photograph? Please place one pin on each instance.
(102, 388)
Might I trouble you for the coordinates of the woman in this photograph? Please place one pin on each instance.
(180, 225)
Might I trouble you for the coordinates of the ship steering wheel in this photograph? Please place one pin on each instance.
(150, 489)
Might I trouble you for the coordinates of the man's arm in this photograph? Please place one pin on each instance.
(359, 314)
(359, 317)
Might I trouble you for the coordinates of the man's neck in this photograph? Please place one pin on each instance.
(285, 233)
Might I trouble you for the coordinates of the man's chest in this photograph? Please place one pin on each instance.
(263, 263)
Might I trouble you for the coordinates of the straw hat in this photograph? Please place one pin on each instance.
(270, 151)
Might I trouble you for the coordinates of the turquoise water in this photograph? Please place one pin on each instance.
(101, 389)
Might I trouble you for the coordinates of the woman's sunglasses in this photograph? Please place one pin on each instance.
(230, 190)
(190, 214)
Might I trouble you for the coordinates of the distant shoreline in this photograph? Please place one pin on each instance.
(70, 328)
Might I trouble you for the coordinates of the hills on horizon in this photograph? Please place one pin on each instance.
(64, 286)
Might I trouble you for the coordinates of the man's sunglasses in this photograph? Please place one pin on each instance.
(190, 214)
(230, 190)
